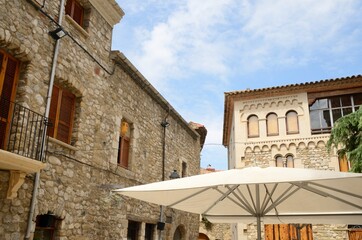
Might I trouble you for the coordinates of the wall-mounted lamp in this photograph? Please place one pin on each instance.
(174, 175)
(58, 33)
(164, 123)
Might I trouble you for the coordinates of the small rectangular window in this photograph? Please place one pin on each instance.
(124, 144)
(75, 11)
(133, 230)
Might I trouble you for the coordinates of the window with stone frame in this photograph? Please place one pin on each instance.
(272, 124)
(133, 230)
(124, 144)
(253, 126)
(76, 11)
(150, 231)
(46, 227)
(61, 115)
(184, 169)
(292, 124)
(9, 72)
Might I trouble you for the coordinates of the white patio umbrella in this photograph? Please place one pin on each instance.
(272, 195)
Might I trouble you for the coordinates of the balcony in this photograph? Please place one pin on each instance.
(22, 138)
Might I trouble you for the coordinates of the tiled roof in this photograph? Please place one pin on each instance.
(291, 85)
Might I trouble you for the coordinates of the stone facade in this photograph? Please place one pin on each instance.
(307, 148)
(76, 184)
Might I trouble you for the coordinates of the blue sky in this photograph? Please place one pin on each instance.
(192, 51)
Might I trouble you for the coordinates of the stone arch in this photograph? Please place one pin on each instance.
(14, 47)
(301, 145)
(265, 148)
(256, 149)
(203, 236)
(294, 102)
(248, 150)
(321, 144)
(273, 105)
(292, 146)
(288, 102)
(311, 145)
(180, 233)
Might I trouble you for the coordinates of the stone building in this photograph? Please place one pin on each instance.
(288, 126)
(108, 127)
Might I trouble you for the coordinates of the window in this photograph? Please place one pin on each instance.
(272, 124)
(279, 161)
(9, 71)
(61, 114)
(290, 161)
(45, 227)
(184, 169)
(326, 111)
(292, 122)
(124, 144)
(75, 11)
(149, 231)
(253, 126)
(133, 230)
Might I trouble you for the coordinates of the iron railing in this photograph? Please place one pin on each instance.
(22, 131)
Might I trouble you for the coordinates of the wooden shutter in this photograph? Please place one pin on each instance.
(61, 114)
(9, 69)
(125, 144)
(68, 7)
(75, 11)
(287, 232)
(53, 112)
(66, 113)
(78, 13)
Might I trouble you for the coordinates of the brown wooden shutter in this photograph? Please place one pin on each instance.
(68, 7)
(66, 113)
(8, 76)
(125, 151)
(53, 111)
(78, 13)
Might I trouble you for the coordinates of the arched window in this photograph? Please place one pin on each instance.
(292, 122)
(290, 161)
(253, 126)
(272, 124)
(279, 161)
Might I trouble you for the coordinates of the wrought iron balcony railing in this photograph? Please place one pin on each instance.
(22, 131)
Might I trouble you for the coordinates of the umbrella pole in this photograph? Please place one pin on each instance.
(258, 227)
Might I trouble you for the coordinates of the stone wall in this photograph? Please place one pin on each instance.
(75, 186)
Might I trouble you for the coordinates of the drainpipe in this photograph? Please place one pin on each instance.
(164, 124)
(47, 110)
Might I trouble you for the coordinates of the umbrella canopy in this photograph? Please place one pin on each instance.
(274, 195)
